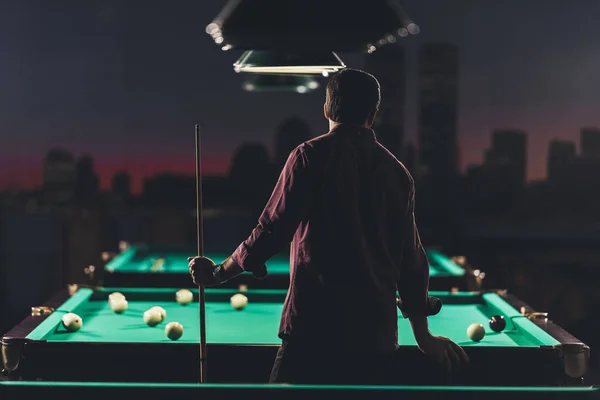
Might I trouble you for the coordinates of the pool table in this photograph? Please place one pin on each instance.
(17, 390)
(137, 266)
(242, 344)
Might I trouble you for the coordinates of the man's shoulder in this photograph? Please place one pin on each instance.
(307, 150)
(390, 159)
(313, 146)
(319, 141)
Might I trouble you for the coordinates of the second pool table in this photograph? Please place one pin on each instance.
(154, 266)
(242, 344)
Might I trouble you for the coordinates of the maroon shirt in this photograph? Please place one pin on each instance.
(347, 204)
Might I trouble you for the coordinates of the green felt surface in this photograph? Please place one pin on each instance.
(258, 323)
(176, 262)
(133, 260)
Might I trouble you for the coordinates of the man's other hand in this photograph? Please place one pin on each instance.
(443, 350)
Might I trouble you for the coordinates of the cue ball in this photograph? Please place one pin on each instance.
(119, 305)
(239, 301)
(184, 296)
(497, 323)
(116, 296)
(72, 322)
(174, 330)
(152, 317)
(475, 332)
(161, 311)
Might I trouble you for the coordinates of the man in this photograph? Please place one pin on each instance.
(347, 204)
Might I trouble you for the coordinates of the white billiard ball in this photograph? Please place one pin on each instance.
(72, 322)
(157, 265)
(239, 301)
(174, 330)
(119, 305)
(184, 296)
(161, 311)
(152, 317)
(116, 296)
(475, 332)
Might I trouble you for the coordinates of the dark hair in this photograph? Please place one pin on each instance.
(352, 96)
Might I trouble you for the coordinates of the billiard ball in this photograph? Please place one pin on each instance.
(152, 317)
(184, 296)
(116, 296)
(72, 322)
(497, 323)
(174, 330)
(475, 332)
(118, 305)
(162, 312)
(158, 264)
(239, 301)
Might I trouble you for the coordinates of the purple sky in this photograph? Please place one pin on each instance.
(127, 85)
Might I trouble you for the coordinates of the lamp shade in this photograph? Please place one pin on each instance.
(281, 83)
(312, 25)
(288, 63)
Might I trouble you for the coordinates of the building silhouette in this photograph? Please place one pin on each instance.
(509, 147)
(496, 188)
(290, 134)
(251, 176)
(87, 182)
(438, 111)
(437, 161)
(169, 191)
(388, 65)
(121, 184)
(561, 156)
(120, 194)
(59, 178)
(590, 142)
(583, 177)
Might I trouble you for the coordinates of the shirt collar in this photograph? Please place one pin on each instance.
(346, 129)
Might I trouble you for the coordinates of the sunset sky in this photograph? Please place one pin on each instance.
(125, 81)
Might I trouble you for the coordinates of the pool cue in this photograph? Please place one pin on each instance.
(200, 238)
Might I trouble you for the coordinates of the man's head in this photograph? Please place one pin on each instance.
(353, 97)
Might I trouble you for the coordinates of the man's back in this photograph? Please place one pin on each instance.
(346, 252)
(348, 204)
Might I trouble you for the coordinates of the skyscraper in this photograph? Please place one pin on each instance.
(87, 183)
(121, 185)
(561, 155)
(590, 142)
(387, 64)
(438, 111)
(509, 146)
(59, 177)
(251, 176)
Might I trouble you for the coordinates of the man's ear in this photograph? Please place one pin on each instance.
(325, 111)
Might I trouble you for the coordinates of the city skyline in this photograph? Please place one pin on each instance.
(100, 100)
(506, 146)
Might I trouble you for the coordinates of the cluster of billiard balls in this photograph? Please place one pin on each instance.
(476, 332)
(154, 315)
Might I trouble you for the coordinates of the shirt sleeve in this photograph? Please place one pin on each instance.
(413, 281)
(281, 216)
